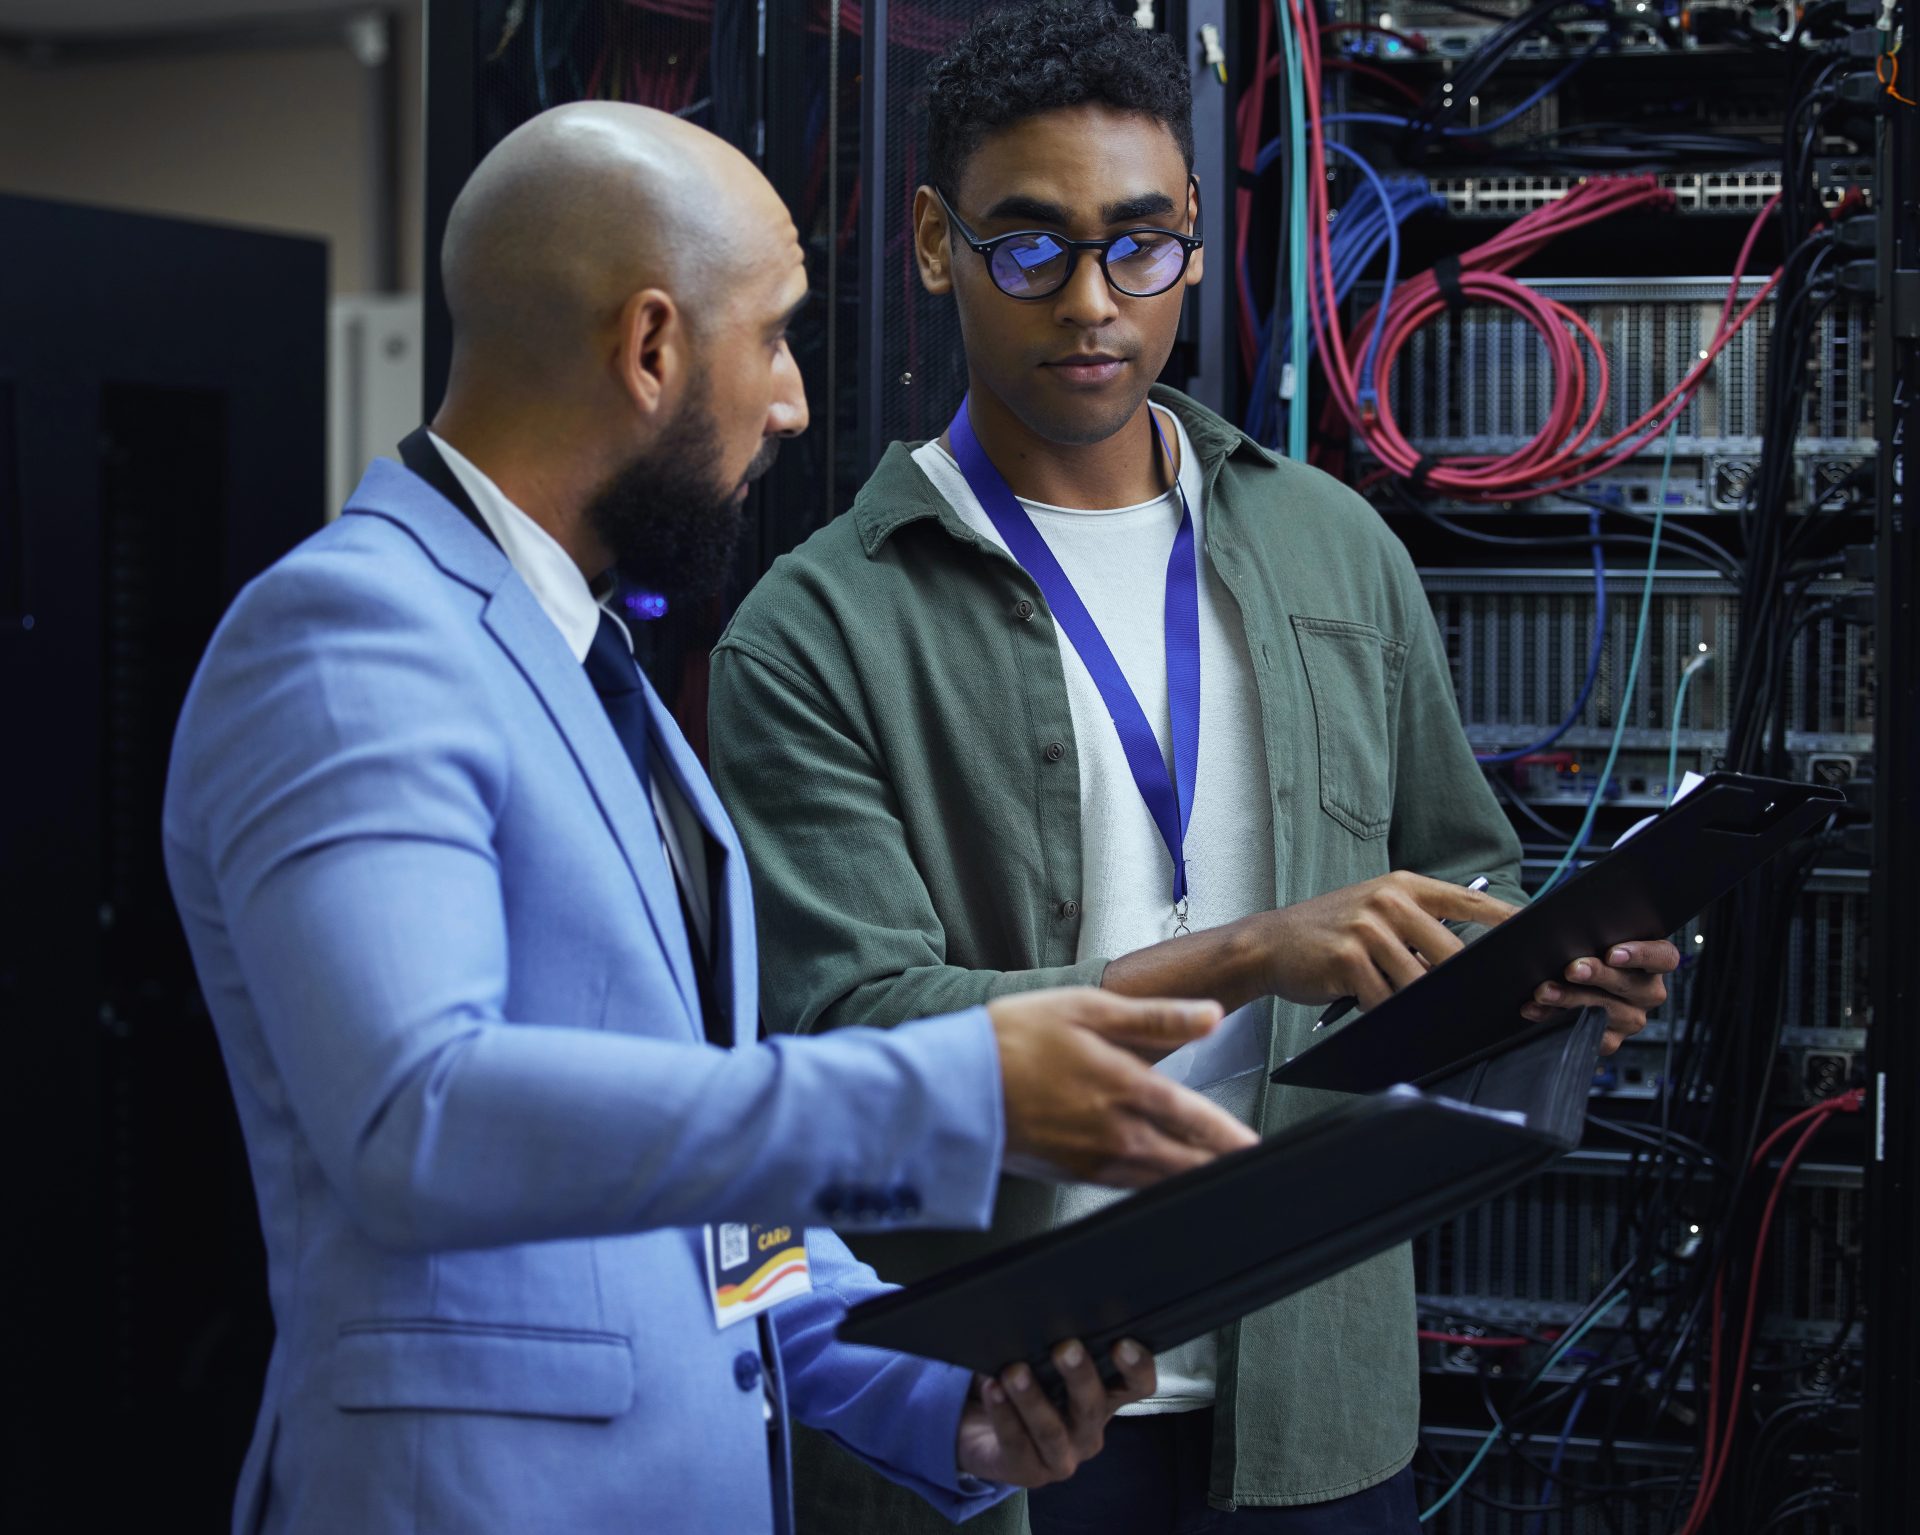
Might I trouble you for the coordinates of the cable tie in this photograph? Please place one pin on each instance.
(1422, 470)
(1446, 277)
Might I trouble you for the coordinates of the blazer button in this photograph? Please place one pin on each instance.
(1069, 909)
(1055, 751)
(1023, 610)
(746, 1371)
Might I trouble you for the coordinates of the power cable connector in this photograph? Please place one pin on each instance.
(1862, 88)
(1861, 233)
(1861, 278)
(1215, 54)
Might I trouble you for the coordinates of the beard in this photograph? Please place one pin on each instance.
(672, 526)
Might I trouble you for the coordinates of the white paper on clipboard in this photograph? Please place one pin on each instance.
(1688, 783)
(1236, 1047)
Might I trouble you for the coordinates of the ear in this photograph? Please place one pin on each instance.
(932, 242)
(653, 356)
(1197, 262)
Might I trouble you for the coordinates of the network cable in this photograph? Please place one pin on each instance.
(1624, 708)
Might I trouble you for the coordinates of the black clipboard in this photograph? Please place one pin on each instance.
(1468, 1008)
(1201, 1250)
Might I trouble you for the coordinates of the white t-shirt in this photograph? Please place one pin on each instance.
(1117, 561)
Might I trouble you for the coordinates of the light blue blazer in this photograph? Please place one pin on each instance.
(441, 944)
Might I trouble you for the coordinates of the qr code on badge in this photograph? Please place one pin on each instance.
(733, 1246)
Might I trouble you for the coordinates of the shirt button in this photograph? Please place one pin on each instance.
(1069, 909)
(1023, 610)
(746, 1371)
(1055, 751)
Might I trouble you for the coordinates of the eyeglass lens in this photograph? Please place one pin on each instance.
(1140, 264)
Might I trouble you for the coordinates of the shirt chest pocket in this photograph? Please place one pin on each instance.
(1354, 674)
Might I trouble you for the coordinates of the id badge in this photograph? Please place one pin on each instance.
(752, 1268)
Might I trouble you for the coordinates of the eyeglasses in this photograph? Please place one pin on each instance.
(1034, 263)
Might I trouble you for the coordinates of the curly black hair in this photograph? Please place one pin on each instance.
(1025, 59)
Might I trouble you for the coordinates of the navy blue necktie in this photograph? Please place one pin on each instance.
(615, 677)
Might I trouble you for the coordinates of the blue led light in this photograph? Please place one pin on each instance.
(645, 605)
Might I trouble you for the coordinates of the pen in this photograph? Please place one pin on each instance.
(1345, 1005)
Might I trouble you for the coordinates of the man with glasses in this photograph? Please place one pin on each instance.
(1094, 689)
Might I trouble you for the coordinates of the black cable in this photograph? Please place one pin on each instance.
(1814, 1498)
(1687, 1201)
(1443, 106)
(1661, 1141)
(1716, 553)
(1512, 796)
(1423, 508)
(1494, 1329)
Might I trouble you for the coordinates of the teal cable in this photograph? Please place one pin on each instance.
(1633, 667)
(1560, 1349)
(1679, 703)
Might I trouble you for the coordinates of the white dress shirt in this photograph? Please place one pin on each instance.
(566, 598)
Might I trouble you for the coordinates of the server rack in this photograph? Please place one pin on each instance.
(154, 456)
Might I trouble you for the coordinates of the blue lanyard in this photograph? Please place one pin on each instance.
(1170, 803)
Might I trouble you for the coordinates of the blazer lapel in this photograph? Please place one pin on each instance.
(529, 637)
(464, 550)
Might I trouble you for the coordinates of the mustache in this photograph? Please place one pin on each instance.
(762, 461)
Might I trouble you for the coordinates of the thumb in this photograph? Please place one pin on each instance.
(1150, 1023)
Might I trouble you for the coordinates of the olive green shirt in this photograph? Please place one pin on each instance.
(891, 735)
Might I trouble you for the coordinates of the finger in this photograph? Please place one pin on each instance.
(1455, 903)
(1152, 1162)
(1428, 939)
(1622, 1015)
(1183, 1115)
(1037, 1415)
(1147, 1158)
(1635, 986)
(1394, 960)
(1370, 988)
(1139, 1375)
(1019, 1456)
(1656, 955)
(1150, 1023)
(1086, 1397)
(1610, 1042)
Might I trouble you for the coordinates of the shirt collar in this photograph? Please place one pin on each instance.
(898, 493)
(549, 571)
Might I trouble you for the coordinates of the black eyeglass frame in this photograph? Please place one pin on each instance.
(1188, 245)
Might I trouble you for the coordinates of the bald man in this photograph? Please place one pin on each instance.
(478, 943)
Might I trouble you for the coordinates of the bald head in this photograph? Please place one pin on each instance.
(621, 284)
(581, 208)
